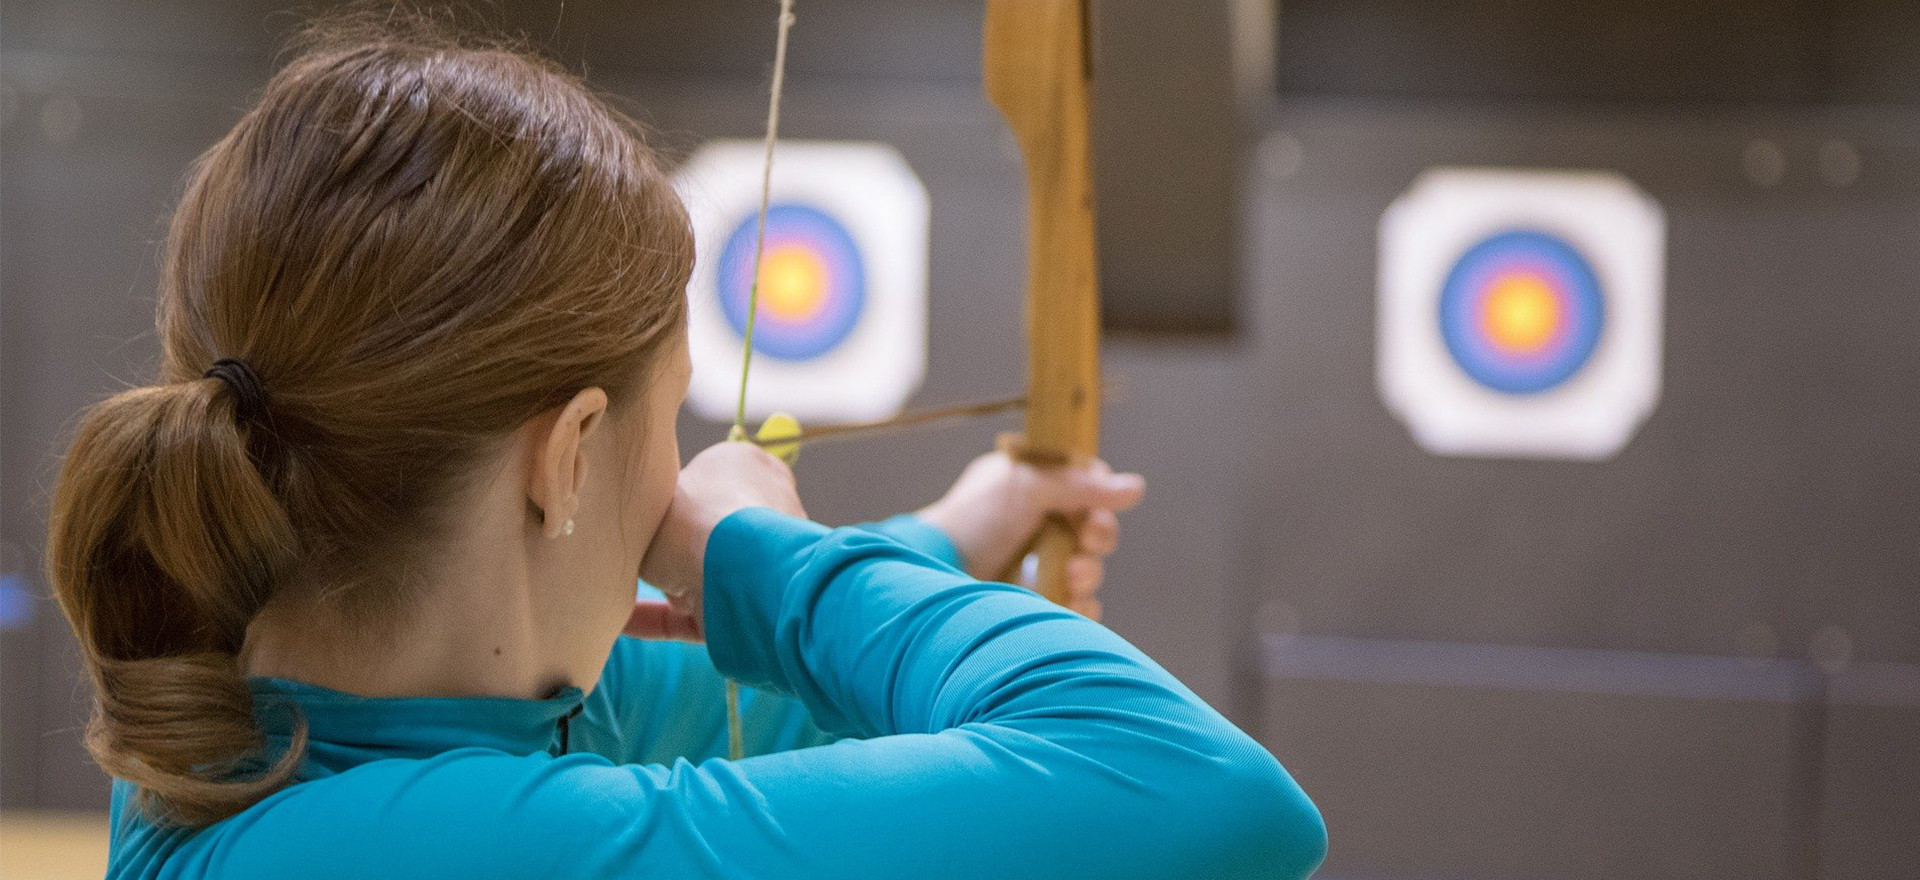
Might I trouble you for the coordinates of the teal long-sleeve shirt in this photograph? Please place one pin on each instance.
(902, 720)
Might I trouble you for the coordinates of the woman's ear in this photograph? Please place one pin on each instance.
(560, 462)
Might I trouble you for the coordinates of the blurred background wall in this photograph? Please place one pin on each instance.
(1699, 659)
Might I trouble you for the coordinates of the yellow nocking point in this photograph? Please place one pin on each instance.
(777, 427)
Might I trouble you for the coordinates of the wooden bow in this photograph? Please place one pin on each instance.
(1038, 69)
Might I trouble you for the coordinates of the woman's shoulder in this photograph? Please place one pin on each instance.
(465, 812)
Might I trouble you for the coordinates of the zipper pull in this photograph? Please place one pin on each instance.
(566, 726)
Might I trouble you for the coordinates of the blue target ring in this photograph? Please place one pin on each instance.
(813, 282)
(1522, 311)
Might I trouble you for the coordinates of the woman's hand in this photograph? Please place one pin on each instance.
(722, 479)
(997, 505)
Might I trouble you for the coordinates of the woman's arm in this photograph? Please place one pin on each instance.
(659, 700)
(1005, 737)
(917, 533)
(1009, 736)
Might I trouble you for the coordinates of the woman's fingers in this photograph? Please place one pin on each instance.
(993, 510)
(1099, 532)
(1084, 574)
(722, 479)
(654, 619)
(1093, 487)
(1090, 608)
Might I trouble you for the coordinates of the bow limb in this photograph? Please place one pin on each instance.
(1038, 70)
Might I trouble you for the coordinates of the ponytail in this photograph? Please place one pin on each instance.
(165, 540)
(420, 242)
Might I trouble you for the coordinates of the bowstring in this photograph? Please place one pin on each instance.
(766, 200)
(736, 747)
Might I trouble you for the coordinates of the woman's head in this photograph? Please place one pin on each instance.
(432, 254)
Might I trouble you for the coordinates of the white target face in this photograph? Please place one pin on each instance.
(841, 329)
(1520, 312)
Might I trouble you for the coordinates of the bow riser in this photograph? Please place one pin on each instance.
(1038, 71)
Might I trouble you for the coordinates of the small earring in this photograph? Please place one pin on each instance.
(567, 528)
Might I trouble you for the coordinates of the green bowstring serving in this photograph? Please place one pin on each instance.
(736, 748)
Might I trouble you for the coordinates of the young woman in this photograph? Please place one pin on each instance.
(351, 581)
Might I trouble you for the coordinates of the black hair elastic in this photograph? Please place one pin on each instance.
(249, 395)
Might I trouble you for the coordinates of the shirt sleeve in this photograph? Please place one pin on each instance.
(658, 701)
(661, 700)
(918, 534)
(999, 736)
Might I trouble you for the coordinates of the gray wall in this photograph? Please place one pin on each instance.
(1694, 660)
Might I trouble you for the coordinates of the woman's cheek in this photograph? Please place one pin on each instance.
(659, 474)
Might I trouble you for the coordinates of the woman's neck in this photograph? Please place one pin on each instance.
(467, 635)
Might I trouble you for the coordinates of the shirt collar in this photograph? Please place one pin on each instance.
(345, 729)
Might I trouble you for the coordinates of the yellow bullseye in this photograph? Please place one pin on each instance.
(1521, 314)
(793, 282)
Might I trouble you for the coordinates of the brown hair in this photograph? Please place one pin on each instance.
(417, 242)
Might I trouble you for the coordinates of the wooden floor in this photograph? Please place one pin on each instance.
(38, 845)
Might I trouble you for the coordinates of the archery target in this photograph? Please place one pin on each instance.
(840, 334)
(813, 282)
(1519, 312)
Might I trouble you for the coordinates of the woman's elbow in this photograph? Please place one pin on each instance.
(1296, 839)
(1279, 833)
